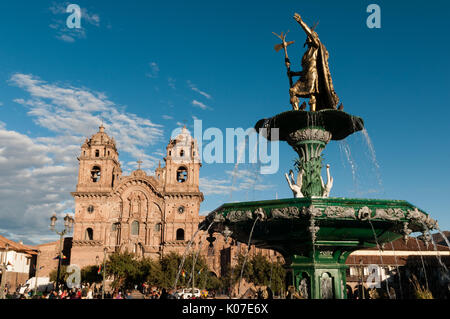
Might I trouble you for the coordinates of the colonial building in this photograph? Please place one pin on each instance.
(396, 265)
(16, 260)
(147, 215)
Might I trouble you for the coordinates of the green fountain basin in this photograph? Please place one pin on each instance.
(316, 235)
(345, 222)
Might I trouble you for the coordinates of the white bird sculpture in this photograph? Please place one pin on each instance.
(296, 187)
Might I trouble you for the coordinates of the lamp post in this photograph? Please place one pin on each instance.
(105, 250)
(68, 224)
(4, 269)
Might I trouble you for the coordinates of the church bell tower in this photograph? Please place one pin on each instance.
(99, 164)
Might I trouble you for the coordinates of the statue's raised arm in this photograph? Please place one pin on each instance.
(307, 30)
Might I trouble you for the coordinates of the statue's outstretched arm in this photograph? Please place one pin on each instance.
(305, 27)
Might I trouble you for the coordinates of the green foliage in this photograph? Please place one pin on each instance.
(150, 271)
(203, 277)
(169, 267)
(127, 271)
(420, 292)
(62, 275)
(89, 274)
(124, 268)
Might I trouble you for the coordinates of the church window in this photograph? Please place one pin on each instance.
(158, 227)
(89, 235)
(114, 227)
(97, 153)
(181, 209)
(180, 234)
(90, 209)
(95, 174)
(135, 228)
(181, 153)
(182, 174)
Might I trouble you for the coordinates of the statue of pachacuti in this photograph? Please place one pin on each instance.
(315, 80)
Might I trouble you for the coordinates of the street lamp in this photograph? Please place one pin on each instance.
(68, 225)
(105, 250)
(4, 269)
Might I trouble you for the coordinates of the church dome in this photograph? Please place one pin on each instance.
(184, 137)
(183, 148)
(101, 138)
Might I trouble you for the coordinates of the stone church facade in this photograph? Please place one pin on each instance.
(146, 215)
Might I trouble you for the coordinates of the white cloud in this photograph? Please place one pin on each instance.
(167, 117)
(75, 111)
(171, 82)
(240, 180)
(195, 89)
(33, 185)
(66, 34)
(91, 18)
(38, 174)
(65, 38)
(154, 70)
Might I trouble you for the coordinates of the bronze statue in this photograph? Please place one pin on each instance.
(315, 80)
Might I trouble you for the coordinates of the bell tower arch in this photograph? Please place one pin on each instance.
(182, 164)
(99, 167)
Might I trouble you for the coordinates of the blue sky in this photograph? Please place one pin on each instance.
(145, 67)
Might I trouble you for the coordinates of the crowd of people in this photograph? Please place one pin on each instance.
(94, 291)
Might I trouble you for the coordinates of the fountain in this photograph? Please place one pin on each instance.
(315, 233)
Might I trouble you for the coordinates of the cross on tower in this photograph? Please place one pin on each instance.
(139, 164)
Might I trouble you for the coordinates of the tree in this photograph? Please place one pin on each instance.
(128, 271)
(62, 274)
(260, 271)
(124, 268)
(169, 267)
(150, 271)
(89, 274)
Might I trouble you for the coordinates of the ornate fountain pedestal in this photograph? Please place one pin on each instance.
(321, 276)
(308, 133)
